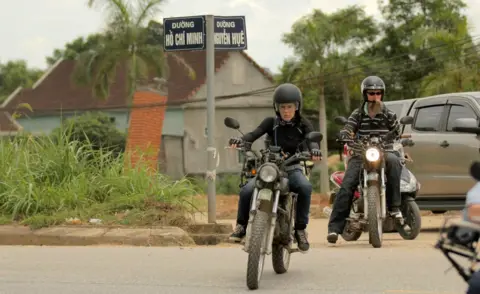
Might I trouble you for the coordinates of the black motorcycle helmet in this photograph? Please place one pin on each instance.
(287, 93)
(372, 83)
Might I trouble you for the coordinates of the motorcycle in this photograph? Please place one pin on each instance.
(409, 187)
(368, 212)
(461, 238)
(251, 162)
(270, 228)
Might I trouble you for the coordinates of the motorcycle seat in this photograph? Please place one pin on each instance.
(338, 178)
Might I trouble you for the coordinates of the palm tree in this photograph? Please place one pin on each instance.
(458, 70)
(127, 42)
(319, 39)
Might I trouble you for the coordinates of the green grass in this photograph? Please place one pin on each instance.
(46, 180)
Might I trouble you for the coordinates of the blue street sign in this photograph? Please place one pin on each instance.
(184, 33)
(230, 33)
(188, 33)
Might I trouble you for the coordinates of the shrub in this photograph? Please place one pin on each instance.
(46, 180)
(96, 129)
(226, 184)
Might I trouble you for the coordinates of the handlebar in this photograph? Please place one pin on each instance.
(244, 148)
(305, 155)
(387, 137)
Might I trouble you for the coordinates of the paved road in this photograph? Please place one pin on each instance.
(350, 268)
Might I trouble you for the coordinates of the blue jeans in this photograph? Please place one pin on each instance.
(474, 284)
(298, 183)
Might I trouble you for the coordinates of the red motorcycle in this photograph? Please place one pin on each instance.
(337, 178)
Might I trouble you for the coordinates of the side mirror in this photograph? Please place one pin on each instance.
(466, 125)
(340, 120)
(406, 120)
(314, 136)
(231, 123)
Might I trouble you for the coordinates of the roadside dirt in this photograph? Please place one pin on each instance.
(227, 206)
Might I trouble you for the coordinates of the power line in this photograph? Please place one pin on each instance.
(330, 76)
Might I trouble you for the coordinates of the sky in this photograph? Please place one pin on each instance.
(32, 29)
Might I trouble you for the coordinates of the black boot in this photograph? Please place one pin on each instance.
(301, 237)
(238, 234)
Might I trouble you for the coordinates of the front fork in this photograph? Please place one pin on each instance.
(370, 177)
(273, 219)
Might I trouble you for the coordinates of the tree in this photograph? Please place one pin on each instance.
(14, 74)
(320, 42)
(458, 72)
(403, 51)
(72, 50)
(127, 41)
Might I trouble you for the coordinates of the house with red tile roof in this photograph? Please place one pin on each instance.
(56, 96)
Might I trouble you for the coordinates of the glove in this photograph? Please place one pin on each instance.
(235, 141)
(316, 153)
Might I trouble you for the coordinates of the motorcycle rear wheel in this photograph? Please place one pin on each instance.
(256, 258)
(412, 217)
(375, 223)
(281, 253)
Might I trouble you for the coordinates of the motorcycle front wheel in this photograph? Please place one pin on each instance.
(375, 223)
(258, 244)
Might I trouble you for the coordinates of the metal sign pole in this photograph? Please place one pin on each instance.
(211, 150)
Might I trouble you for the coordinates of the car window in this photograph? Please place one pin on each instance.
(459, 111)
(397, 108)
(428, 118)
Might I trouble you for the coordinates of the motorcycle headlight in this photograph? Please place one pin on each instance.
(372, 154)
(268, 174)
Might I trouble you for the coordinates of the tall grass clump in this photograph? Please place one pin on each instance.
(48, 179)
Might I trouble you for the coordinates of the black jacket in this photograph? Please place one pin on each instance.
(287, 136)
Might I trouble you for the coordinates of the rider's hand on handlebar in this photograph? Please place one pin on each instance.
(316, 154)
(234, 142)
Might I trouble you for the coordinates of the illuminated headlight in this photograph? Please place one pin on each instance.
(372, 154)
(268, 174)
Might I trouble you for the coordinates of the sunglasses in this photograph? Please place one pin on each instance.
(374, 93)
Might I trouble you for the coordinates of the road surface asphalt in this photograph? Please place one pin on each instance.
(413, 267)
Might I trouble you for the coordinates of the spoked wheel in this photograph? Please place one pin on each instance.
(256, 255)
(280, 252)
(375, 223)
(412, 221)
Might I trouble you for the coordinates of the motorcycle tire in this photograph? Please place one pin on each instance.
(256, 258)
(375, 224)
(412, 217)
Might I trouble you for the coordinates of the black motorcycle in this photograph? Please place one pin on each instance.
(270, 227)
(251, 160)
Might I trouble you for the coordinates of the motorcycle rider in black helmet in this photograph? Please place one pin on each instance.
(287, 129)
(373, 115)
